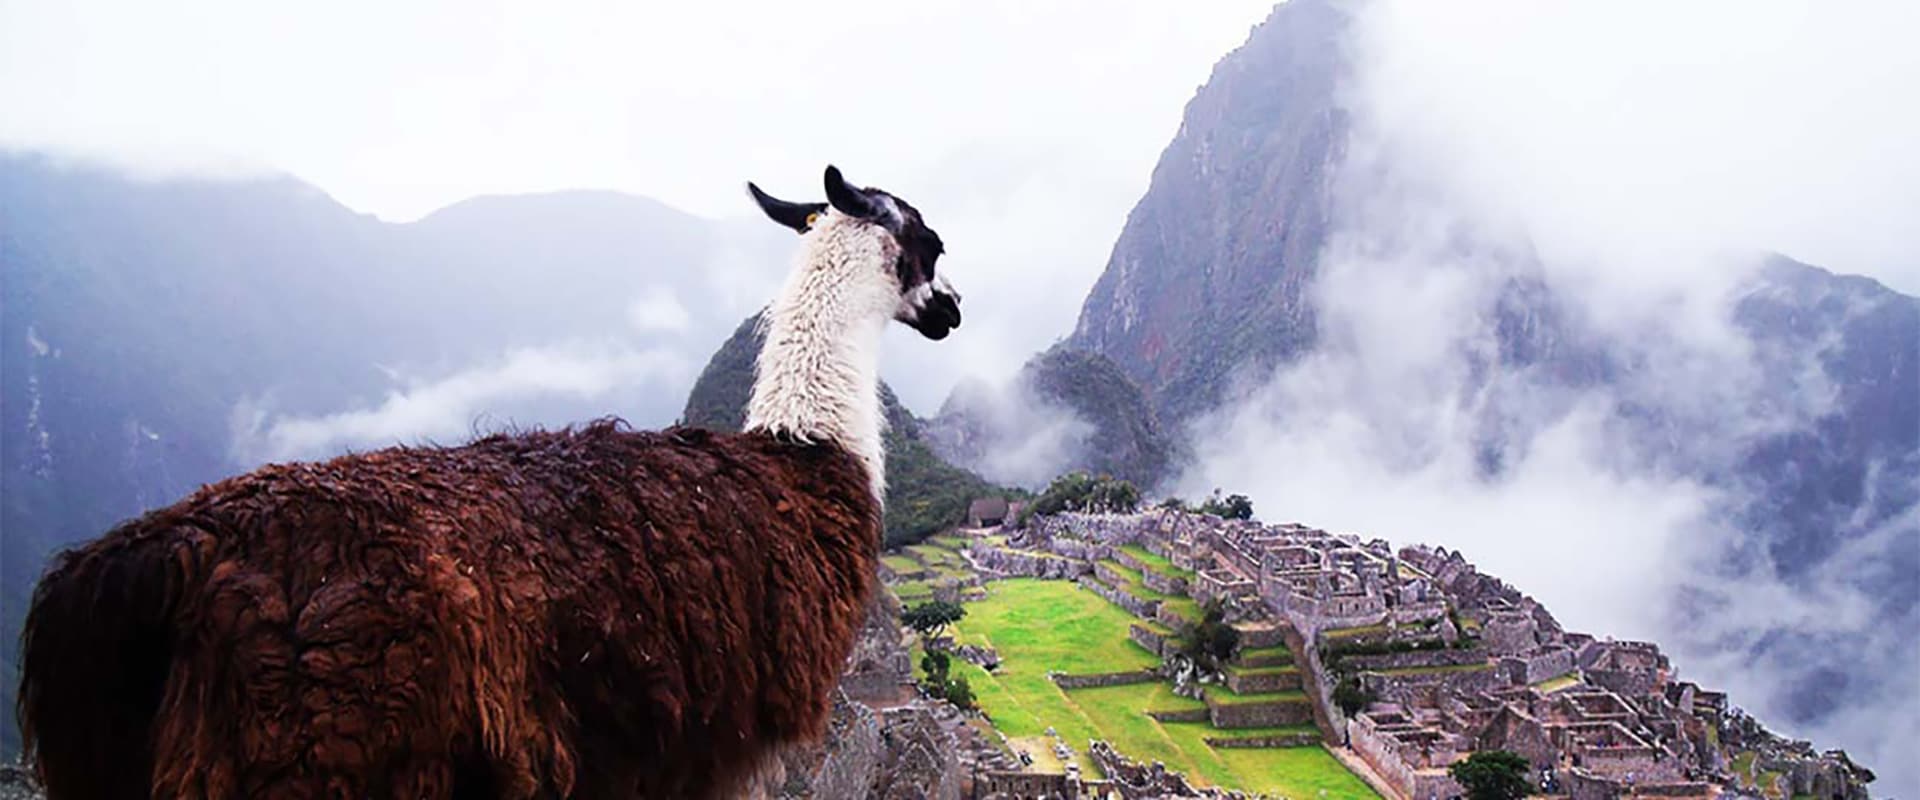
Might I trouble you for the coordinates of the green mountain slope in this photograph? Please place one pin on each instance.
(925, 494)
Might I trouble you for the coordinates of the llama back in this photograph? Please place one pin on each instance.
(514, 617)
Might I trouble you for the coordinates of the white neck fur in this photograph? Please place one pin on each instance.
(818, 376)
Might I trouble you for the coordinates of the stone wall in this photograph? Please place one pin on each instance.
(1262, 682)
(1631, 683)
(1137, 606)
(1416, 658)
(1147, 638)
(1259, 715)
(1386, 758)
(1028, 564)
(920, 761)
(1162, 583)
(1543, 664)
(1067, 681)
(1183, 715)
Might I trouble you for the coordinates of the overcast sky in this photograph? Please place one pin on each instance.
(1024, 131)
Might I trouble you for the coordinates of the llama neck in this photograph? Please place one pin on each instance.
(818, 376)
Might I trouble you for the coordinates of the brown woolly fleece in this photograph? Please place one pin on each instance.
(583, 613)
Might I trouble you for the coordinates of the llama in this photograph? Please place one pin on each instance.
(592, 612)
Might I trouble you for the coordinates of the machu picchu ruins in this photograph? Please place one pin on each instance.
(1399, 662)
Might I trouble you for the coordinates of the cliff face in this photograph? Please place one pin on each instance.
(1222, 274)
(1209, 274)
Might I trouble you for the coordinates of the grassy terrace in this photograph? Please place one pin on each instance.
(1039, 626)
(934, 556)
(1349, 633)
(1276, 652)
(1277, 670)
(1156, 562)
(1185, 607)
(954, 543)
(1221, 695)
(902, 565)
(1131, 582)
(1554, 684)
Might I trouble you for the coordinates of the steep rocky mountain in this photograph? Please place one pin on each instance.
(158, 335)
(925, 494)
(1209, 274)
(1088, 413)
(1808, 439)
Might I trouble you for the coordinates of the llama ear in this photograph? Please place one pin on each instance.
(849, 200)
(798, 216)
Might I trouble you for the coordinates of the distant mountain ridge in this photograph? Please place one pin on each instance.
(152, 329)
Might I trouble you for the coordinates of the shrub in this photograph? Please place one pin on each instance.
(1351, 696)
(930, 618)
(1493, 775)
(1079, 491)
(1211, 642)
(1235, 506)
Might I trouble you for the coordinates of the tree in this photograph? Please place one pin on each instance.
(1173, 504)
(1233, 506)
(932, 617)
(1079, 491)
(959, 693)
(1211, 642)
(1351, 695)
(1493, 775)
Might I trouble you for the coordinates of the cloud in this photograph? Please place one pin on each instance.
(658, 310)
(1631, 164)
(450, 408)
(1009, 434)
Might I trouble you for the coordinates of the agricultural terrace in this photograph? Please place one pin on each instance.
(1040, 626)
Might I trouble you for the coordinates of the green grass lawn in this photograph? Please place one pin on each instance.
(950, 542)
(1131, 583)
(1156, 562)
(934, 556)
(1038, 626)
(902, 565)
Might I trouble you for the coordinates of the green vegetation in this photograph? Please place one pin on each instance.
(1127, 439)
(1132, 583)
(939, 682)
(1492, 775)
(1266, 655)
(1156, 562)
(1351, 696)
(1233, 506)
(902, 565)
(1554, 684)
(1079, 491)
(1222, 696)
(929, 619)
(1353, 633)
(1209, 641)
(1039, 626)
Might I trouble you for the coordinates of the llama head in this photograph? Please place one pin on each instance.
(928, 302)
